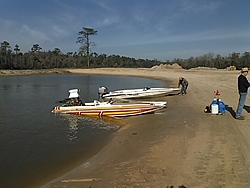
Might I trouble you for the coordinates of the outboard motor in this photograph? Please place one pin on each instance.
(101, 91)
(73, 93)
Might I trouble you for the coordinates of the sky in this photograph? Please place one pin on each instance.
(140, 29)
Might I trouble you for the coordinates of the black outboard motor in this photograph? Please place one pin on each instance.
(102, 91)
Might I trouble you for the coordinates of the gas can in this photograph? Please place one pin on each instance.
(215, 107)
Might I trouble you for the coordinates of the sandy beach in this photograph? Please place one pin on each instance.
(180, 146)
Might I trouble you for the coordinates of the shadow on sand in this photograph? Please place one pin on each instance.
(247, 108)
(233, 113)
(172, 94)
(230, 110)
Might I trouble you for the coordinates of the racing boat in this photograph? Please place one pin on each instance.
(145, 92)
(74, 105)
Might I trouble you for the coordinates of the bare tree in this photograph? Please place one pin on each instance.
(83, 39)
(17, 50)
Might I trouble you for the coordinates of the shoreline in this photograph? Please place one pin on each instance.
(181, 146)
(185, 147)
(32, 72)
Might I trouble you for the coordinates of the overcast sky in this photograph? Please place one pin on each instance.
(147, 29)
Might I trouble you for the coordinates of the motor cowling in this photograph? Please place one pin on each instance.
(102, 90)
(74, 93)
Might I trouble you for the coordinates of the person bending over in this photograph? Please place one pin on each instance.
(184, 85)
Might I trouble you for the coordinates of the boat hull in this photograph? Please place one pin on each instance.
(140, 93)
(111, 110)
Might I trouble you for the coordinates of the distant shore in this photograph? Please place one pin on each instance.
(32, 72)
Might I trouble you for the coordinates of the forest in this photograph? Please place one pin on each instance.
(36, 58)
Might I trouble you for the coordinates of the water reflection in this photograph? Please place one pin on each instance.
(75, 123)
(73, 126)
(6, 87)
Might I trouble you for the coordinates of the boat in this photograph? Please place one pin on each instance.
(111, 108)
(145, 92)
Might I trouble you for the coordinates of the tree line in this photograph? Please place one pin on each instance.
(12, 58)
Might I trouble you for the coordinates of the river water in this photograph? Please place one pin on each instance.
(36, 145)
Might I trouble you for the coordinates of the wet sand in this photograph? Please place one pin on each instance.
(178, 146)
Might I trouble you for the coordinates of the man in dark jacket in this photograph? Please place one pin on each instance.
(243, 86)
(184, 85)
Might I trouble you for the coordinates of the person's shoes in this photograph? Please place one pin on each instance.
(240, 118)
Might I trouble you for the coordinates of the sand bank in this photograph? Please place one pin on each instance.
(180, 145)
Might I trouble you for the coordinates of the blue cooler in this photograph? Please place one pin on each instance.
(222, 107)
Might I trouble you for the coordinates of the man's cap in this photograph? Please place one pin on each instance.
(245, 69)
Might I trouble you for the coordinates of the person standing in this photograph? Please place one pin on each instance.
(243, 86)
(184, 85)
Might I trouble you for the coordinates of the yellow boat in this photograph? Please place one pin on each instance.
(73, 105)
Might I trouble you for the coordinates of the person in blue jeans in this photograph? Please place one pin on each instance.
(184, 85)
(243, 86)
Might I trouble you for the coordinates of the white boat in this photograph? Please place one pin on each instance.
(74, 105)
(145, 92)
